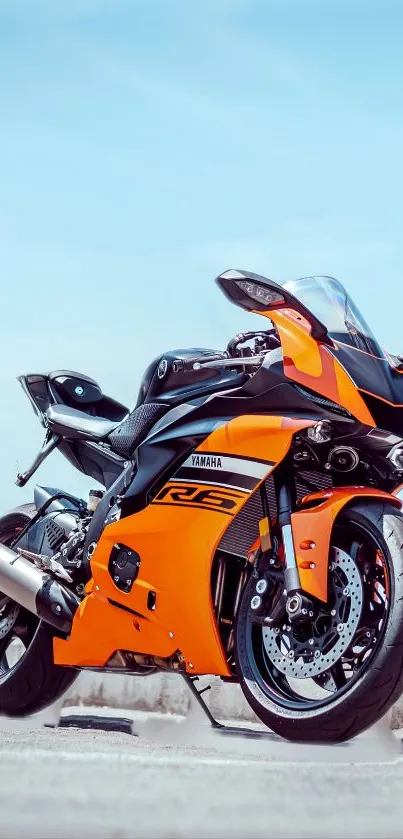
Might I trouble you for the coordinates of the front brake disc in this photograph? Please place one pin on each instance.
(306, 658)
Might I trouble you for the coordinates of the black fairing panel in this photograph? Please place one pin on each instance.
(160, 454)
(372, 374)
(388, 417)
(75, 388)
(157, 458)
(380, 384)
(80, 391)
(161, 384)
(93, 460)
(46, 535)
(36, 387)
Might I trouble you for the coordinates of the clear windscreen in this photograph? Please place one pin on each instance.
(326, 298)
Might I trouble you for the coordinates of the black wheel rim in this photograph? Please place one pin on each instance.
(368, 552)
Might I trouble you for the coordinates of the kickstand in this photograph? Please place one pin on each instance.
(190, 681)
(221, 728)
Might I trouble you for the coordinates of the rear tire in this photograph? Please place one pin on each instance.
(34, 681)
(378, 684)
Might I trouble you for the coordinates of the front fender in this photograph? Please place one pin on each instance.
(312, 527)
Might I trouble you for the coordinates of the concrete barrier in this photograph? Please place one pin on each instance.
(167, 693)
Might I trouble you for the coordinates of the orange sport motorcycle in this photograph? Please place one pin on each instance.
(249, 528)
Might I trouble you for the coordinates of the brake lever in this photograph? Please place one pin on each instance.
(181, 365)
(194, 365)
(250, 360)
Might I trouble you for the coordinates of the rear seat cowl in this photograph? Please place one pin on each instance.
(76, 425)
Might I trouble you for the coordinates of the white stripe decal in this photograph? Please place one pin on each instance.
(236, 465)
(208, 483)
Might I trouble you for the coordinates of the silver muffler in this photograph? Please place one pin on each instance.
(36, 591)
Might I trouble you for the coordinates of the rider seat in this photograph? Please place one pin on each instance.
(123, 437)
(76, 425)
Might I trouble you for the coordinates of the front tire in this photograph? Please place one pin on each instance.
(29, 679)
(353, 700)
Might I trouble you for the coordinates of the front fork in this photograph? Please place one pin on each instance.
(292, 601)
(298, 606)
(291, 574)
(306, 535)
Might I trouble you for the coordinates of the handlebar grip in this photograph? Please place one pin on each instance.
(269, 336)
(233, 343)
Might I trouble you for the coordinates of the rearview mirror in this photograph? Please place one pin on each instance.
(259, 294)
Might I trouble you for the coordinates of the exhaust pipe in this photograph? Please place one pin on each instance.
(36, 590)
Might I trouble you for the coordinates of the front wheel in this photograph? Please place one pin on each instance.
(333, 676)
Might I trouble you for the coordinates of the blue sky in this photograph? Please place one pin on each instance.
(148, 145)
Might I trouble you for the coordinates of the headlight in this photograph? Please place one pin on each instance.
(261, 294)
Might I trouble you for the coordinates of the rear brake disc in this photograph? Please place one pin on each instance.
(8, 616)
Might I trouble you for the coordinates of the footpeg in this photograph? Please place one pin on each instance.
(46, 563)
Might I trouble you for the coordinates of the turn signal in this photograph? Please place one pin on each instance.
(396, 458)
(321, 432)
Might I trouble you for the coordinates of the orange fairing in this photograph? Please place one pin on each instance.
(264, 437)
(176, 537)
(312, 528)
(311, 363)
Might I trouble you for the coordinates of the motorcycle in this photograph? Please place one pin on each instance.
(249, 526)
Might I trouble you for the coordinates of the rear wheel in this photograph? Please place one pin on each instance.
(29, 679)
(331, 677)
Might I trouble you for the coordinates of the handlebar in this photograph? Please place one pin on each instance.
(241, 338)
(232, 356)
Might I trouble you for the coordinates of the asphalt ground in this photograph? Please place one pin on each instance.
(177, 778)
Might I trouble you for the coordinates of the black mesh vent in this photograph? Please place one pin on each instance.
(129, 434)
(320, 400)
(307, 482)
(244, 528)
(55, 534)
